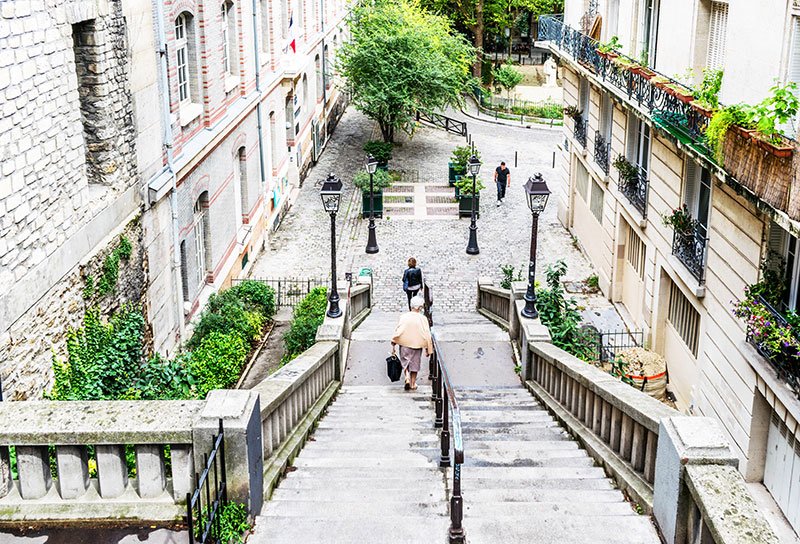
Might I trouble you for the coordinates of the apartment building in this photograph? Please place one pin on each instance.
(176, 130)
(680, 285)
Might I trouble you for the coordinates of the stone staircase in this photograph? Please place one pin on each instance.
(370, 473)
(526, 480)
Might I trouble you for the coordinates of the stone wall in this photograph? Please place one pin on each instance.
(27, 348)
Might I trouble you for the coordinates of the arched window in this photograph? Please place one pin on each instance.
(201, 230)
(305, 105)
(320, 83)
(229, 49)
(185, 58)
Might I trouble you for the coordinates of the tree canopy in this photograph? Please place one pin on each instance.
(402, 58)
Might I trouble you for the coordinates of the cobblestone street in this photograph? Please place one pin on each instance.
(300, 247)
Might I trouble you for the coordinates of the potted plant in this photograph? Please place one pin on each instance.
(736, 116)
(660, 81)
(777, 109)
(458, 162)
(680, 220)
(464, 194)
(609, 49)
(381, 179)
(573, 112)
(382, 151)
(628, 172)
(706, 98)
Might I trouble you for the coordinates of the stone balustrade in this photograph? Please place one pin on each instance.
(494, 303)
(360, 301)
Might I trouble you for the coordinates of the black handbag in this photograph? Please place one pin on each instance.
(393, 367)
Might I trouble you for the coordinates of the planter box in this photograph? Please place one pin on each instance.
(452, 174)
(783, 150)
(684, 95)
(383, 166)
(465, 205)
(610, 55)
(378, 198)
(643, 71)
(696, 106)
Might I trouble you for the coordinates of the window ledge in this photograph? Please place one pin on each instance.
(189, 112)
(231, 82)
(686, 277)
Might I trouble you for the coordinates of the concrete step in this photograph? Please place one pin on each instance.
(406, 493)
(520, 510)
(394, 529)
(372, 442)
(508, 475)
(544, 459)
(405, 472)
(504, 417)
(379, 506)
(554, 528)
(366, 462)
(400, 456)
(583, 494)
(506, 449)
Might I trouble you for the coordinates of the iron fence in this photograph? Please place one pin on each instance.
(205, 504)
(784, 361)
(690, 249)
(289, 291)
(602, 152)
(611, 343)
(580, 130)
(636, 190)
(438, 120)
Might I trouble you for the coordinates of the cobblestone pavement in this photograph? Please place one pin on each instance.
(300, 248)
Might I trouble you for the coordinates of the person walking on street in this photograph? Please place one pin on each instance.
(413, 335)
(502, 177)
(412, 280)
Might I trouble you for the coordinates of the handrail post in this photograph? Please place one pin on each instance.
(437, 386)
(434, 375)
(444, 461)
(457, 533)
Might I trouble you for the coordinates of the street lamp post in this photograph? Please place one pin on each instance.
(474, 166)
(331, 195)
(537, 193)
(372, 243)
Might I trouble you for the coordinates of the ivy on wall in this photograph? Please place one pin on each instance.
(109, 273)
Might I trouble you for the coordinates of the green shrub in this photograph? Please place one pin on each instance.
(380, 180)
(229, 312)
(509, 275)
(217, 362)
(232, 524)
(460, 156)
(464, 185)
(308, 316)
(166, 379)
(256, 296)
(382, 151)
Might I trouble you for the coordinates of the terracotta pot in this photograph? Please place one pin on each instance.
(610, 55)
(684, 96)
(743, 132)
(643, 71)
(701, 109)
(782, 151)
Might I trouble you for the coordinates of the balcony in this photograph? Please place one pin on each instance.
(747, 161)
(636, 189)
(602, 152)
(689, 247)
(581, 126)
(785, 360)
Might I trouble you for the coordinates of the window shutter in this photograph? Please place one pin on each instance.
(607, 117)
(690, 186)
(793, 73)
(717, 35)
(632, 137)
(776, 240)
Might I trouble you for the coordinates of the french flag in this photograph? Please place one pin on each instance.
(292, 41)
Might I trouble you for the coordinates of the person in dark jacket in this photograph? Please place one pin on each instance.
(412, 280)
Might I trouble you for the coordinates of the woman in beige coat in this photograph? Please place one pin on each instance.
(413, 335)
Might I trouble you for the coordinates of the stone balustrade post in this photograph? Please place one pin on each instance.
(682, 441)
(337, 330)
(240, 412)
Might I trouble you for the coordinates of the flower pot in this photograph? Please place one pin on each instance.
(783, 150)
(610, 55)
(465, 205)
(684, 95)
(706, 112)
(378, 199)
(643, 71)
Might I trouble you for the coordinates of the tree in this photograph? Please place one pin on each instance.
(475, 18)
(401, 59)
(507, 77)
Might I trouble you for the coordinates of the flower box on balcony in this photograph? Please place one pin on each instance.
(766, 174)
(678, 91)
(702, 108)
(607, 54)
(782, 149)
(643, 71)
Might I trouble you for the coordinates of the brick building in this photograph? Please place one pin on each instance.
(182, 127)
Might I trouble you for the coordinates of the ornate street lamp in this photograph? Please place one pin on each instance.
(536, 192)
(372, 243)
(473, 166)
(331, 195)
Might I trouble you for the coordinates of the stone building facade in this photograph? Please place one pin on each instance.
(680, 287)
(183, 126)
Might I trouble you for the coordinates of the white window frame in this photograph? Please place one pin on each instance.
(697, 183)
(793, 64)
(717, 35)
(198, 226)
(226, 45)
(182, 58)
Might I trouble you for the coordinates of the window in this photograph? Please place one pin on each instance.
(648, 34)
(783, 249)
(184, 272)
(639, 143)
(717, 35)
(320, 83)
(635, 252)
(326, 64)
(684, 318)
(241, 169)
(200, 228)
(182, 58)
(263, 18)
(584, 98)
(229, 60)
(285, 15)
(606, 116)
(275, 146)
(697, 194)
(596, 205)
(582, 181)
(613, 19)
(793, 68)
(305, 103)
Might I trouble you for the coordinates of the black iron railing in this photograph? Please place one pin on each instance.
(611, 343)
(210, 496)
(581, 126)
(636, 190)
(690, 249)
(289, 291)
(665, 108)
(454, 126)
(785, 361)
(602, 152)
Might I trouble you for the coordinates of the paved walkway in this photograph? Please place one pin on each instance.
(301, 246)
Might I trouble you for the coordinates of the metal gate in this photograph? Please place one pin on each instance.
(204, 505)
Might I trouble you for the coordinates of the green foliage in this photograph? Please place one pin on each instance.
(707, 93)
(721, 121)
(573, 112)
(778, 108)
(611, 46)
(681, 220)
(217, 362)
(562, 318)
(619, 369)
(88, 289)
(308, 316)
(256, 296)
(460, 157)
(464, 185)
(509, 275)
(545, 110)
(401, 59)
(232, 524)
(773, 285)
(103, 359)
(381, 179)
(382, 151)
(110, 275)
(628, 172)
(166, 379)
(593, 282)
(507, 77)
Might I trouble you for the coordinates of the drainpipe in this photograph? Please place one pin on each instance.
(324, 58)
(167, 138)
(258, 103)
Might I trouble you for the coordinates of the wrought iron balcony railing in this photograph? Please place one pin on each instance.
(636, 190)
(786, 360)
(602, 152)
(581, 125)
(690, 249)
(632, 80)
